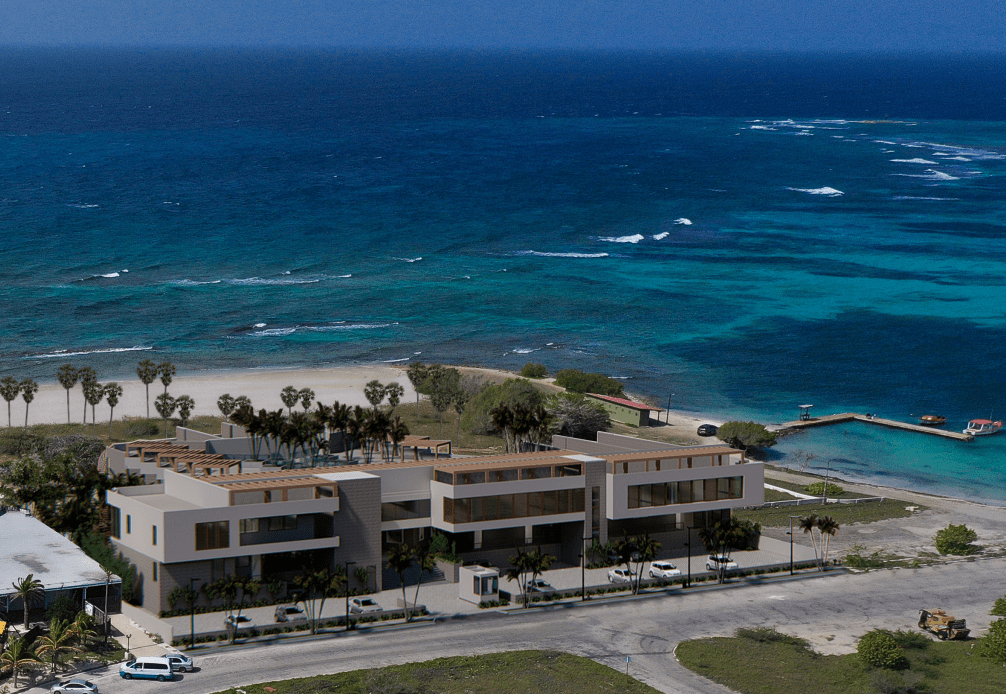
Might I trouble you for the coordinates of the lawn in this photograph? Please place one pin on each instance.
(845, 514)
(761, 663)
(515, 672)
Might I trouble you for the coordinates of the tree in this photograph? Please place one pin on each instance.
(67, 376)
(319, 583)
(518, 571)
(165, 406)
(808, 524)
(28, 390)
(956, 539)
(306, 397)
(460, 401)
(185, 406)
(147, 371)
(19, 657)
(828, 527)
(577, 381)
(113, 391)
(29, 590)
(746, 435)
(398, 431)
(289, 396)
(400, 560)
(88, 378)
(646, 550)
(166, 370)
(226, 405)
(83, 628)
(393, 392)
(94, 393)
(58, 641)
(626, 549)
(339, 421)
(533, 370)
(417, 372)
(538, 563)
(234, 591)
(721, 538)
(993, 644)
(374, 392)
(9, 390)
(577, 416)
(426, 558)
(442, 385)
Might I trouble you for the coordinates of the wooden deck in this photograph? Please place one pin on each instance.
(891, 423)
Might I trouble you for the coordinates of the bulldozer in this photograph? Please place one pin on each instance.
(945, 626)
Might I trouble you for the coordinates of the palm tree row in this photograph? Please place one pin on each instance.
(521, 424)
(10, 388)
(826, 527)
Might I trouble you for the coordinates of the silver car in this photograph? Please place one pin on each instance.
(361, 605)
(663, 569)
(180, 663)
(75, 686)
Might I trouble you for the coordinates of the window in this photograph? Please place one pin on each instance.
(405, 510)
(213, 535)
(114, 521)
(248, 525)
(153, 534)
(324, 492)
(129, 524)
(444, 477)
(510, 475)
(507, 506)
(277, 523)
(595, 511)
(153, 574)
(536, 473)
(568, 470)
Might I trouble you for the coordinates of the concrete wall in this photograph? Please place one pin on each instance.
(237, 447)
(359, 523)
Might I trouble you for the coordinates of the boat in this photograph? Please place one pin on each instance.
(932, 420)
(983, 427)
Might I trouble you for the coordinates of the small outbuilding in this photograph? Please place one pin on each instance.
(629, 412)
(479, 584)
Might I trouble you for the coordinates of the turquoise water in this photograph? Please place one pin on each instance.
(748, 235)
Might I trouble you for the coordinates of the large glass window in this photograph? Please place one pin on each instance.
(214, 535)
(506, 506)
(671, 493)
(114, 521)
(405, 510)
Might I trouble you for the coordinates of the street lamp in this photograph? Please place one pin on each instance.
(348, 627)
(127, 645)
(790, 533)
(192, 614)
(826, 477)
(690, 528)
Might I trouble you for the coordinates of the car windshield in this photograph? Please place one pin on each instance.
(366, 602)
(131, 663)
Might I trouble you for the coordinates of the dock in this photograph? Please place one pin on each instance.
(890, 423)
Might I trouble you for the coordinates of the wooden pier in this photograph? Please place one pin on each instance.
(890, 423)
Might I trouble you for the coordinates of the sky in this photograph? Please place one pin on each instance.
(957, 26)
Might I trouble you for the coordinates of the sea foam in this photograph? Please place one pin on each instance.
(916, 160)
(661, 235)
(635, 238)
(543, 254)
(827, 190)
(109, 350)
(683, 220)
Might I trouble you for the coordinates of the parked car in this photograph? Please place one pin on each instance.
(708, 430)
(179, 662)
(539, 585)
(663, 569)
(149, 668)
(715, 563)
(75, 686)
(289, 613)
(238, 622)
(361, 605)
(621, 576)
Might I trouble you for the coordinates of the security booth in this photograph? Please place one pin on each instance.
(479, 584)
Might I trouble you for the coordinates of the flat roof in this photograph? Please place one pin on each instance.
(478, 464)
(29, 546)
(674, 453)
(626, 403)
(163, 502)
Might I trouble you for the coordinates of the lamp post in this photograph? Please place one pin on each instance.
(348, 564)
(790, 533)
(827, 476)
(688, 583)
(192, 613)
(127, 646)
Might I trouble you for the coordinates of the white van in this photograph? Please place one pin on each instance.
(149, 668)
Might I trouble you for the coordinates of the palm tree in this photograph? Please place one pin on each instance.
(166, 370)
(306, 397)
(18, 657)
(83, 628)
(517, 571)
(59, 640)
(339, 420)
(646, 550)
(502, 419)
(417, 373)
(113, 391)
(28, 390)
(86, 375)
(67, 376)
(398, 431)
(319, 584)
(289, 396)
(354, 427)
(147, 371)
(427, 560)
(272, 424)
(226, 405)
(400, 560)
(9, 389)
(393, 392)
(827, 526)
(165, 406)
(538, 563)
(807, 525)
(30, 590)
(94, 393)
(185, 406)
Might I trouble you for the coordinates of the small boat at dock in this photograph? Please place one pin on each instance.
(983, 427)
(932, 420)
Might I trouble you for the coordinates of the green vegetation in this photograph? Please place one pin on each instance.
(993, 644)
(956, 539)
(512, 393)
(844, 514)
(577, 381)
(759, 661)
(746, 435)
(515, 672)
(532, 370)
(817, 489)
(879, 649)
(576, 415)
(999, 608)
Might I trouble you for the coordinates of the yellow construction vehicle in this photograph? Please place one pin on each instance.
(945, 626)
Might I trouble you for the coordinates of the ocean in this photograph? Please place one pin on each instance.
(745, 232)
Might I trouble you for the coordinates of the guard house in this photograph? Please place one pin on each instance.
(636, 414)
(478, 584)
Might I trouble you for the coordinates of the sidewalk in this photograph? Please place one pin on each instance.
(139, 643)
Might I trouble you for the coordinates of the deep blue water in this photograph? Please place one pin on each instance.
(749, 232)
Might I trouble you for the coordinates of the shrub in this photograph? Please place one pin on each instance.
(532, 370)
(999, 608)
(578, 381)
(768, 635)
(511, 393)
(956, 539)
(880, 649)
(745, 435)
(911, 639)
(817, 489)
(142, 427)
(993, 644)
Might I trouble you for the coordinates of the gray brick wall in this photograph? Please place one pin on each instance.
(358, 525)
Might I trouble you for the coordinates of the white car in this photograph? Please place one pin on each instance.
(663, 569)
(179, 662)
(238, 622)
(361, 605)
(715, 563)
(539, 585)
(621, 576)
(75, 686)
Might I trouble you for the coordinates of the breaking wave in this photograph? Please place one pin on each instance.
(543, 254)
(635, 238)
(109, 350)
(827, 190)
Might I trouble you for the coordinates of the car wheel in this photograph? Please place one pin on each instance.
(182, 669)
(942, 635)
(160, 678)
(127, 676)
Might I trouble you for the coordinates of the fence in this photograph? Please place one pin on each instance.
(820, 500)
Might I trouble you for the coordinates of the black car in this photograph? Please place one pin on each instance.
(707, 430)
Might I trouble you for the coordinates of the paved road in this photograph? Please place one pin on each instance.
(832, 611)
